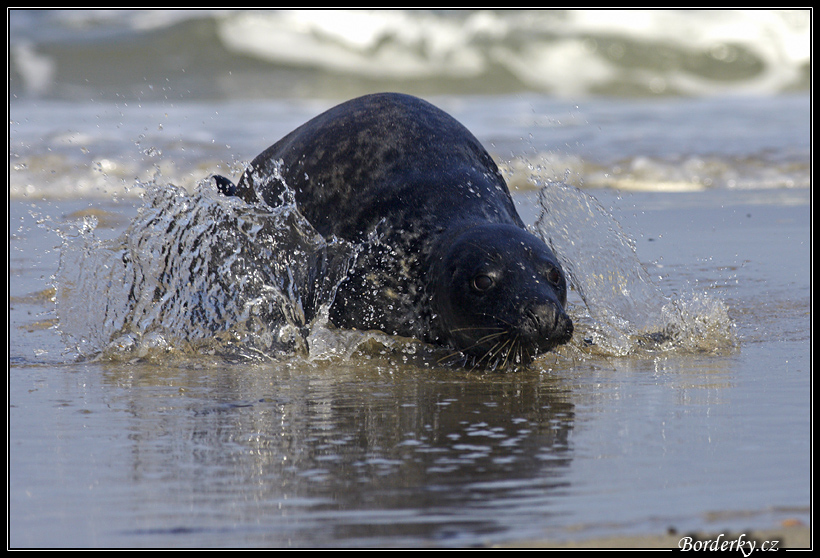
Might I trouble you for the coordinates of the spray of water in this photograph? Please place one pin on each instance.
(204, 273)
(624, 310)
(200, 272)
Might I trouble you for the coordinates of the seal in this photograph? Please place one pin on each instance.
(445, 257)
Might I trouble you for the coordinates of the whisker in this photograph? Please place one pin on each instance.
(484, 340)
(506, 349)
(511, 351)
(477, 328)
(453, 355)
(494, 352)
(489, 337)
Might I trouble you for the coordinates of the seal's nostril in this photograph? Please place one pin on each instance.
(546, 326)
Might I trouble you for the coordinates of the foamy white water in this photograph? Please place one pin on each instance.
(569, 53)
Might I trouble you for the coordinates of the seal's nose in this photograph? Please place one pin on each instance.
(546, 326)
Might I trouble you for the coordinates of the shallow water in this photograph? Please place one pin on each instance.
(370, 443)
(372, 451)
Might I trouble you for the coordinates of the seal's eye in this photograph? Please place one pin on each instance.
(482, 282)
(554, 276)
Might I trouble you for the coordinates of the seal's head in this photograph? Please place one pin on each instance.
(499, 295)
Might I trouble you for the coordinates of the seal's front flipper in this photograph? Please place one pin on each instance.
(224, 185)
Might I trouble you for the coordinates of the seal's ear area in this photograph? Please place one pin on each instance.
(224, 185)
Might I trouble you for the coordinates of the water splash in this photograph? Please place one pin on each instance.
(199, 272)
(624, 310)
(204, 273)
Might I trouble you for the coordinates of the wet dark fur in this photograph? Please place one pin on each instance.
(446, 258)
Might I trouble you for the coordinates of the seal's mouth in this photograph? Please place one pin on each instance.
(546, 327)
(502, 345)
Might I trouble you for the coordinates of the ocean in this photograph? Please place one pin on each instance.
(666, 155)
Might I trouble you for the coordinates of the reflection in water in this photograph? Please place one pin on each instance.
(364, 452)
